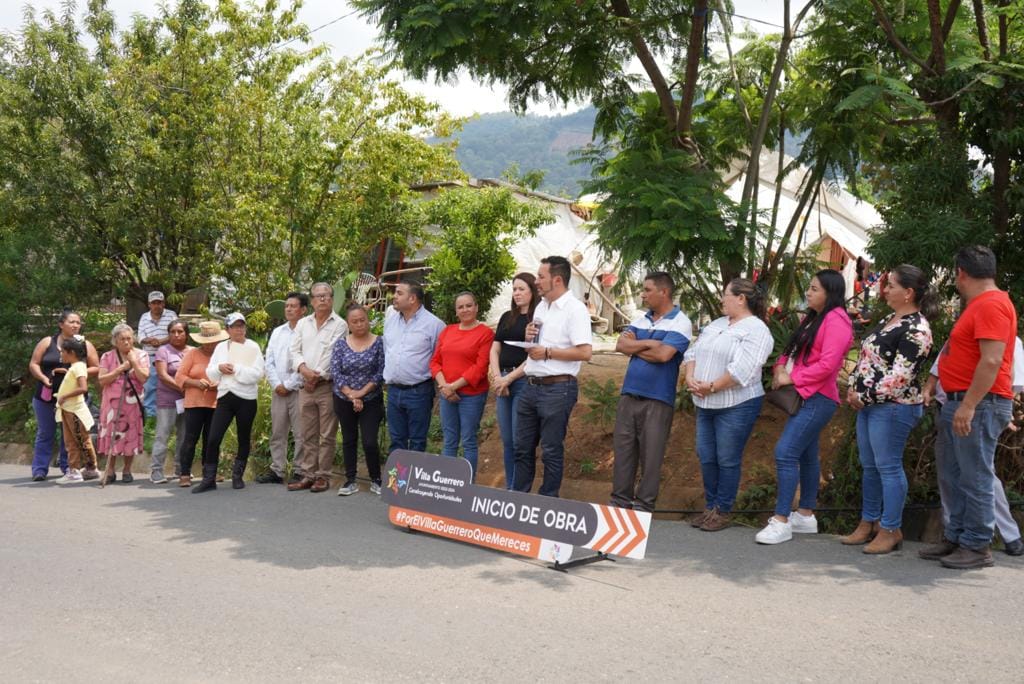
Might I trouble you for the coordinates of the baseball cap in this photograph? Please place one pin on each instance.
(233, 318)
(156, 296)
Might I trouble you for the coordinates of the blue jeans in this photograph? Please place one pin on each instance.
(543, 418)
(46, 432)
(149, 396)
(796, 454)
(721, 436)
(460, 422)
(408, 416)
(968, 467)
(507, 419)
(882, 431)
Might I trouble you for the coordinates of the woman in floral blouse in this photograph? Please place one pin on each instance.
(357, 371)
(886, 391)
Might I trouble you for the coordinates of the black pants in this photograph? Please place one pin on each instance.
(352, 424)
(197, 423)
(243, 412)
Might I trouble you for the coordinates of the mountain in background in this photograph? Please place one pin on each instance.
(490, 143)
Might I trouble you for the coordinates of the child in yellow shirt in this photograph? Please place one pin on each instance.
(73, 414)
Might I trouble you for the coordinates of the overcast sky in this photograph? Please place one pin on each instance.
(352, 36)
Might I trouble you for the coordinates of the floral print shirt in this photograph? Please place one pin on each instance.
(357, 369)
(891, 358)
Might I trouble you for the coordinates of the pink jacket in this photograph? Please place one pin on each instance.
(820, 371)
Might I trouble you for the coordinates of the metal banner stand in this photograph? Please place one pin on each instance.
(564, 567)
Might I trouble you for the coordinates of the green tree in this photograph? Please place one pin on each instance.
(208, 146)
(474, 230)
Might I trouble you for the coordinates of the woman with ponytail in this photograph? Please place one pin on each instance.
(885, 389)
(810, 361)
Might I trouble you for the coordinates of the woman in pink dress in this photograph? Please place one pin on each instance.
(123, 373)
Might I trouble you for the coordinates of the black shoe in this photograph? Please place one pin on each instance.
(965, 559)
(1014, 548)
(237, 483)
(204, 486)
(127, 477)
(270, 477)
(39, 478)
(295, 478)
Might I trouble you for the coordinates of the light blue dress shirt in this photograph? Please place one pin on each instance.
(408, 346)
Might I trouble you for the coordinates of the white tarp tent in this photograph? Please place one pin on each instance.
(836, 220)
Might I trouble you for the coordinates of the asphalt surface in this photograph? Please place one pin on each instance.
(139, 583)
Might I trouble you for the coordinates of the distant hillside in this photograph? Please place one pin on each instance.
(490, 143)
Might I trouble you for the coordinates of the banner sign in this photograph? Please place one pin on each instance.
(434, 494)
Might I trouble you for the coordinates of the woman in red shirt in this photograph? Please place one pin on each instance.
(459, 367)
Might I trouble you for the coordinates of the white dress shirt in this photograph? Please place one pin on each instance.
(740, 349)
(312, 346)
(244, 382)
(279, 368)
(565, 324)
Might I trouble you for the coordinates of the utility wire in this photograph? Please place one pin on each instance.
(314, 30)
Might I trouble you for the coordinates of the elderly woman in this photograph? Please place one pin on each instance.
(170, 407)
(723, 372)
(459, 367)
(237, 367)
(200, 395)
(46, 367)
(123, 373)
(357, 371)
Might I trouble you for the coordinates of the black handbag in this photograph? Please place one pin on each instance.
(785, 398)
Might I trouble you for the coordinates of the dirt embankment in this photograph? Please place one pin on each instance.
(589, 456)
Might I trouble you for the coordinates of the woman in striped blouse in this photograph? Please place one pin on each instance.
(723, 373)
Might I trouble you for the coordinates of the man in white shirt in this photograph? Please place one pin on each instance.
(312, 343)
(561, 329)
(284, 402)
(152, 330)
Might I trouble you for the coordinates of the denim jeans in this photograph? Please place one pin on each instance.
(1006, 526)
(543, 418)
(167, 420)
(882, 431)
(149, 394)
(969, 468)
(796, 454)
(408, 416)
(460, 422)
(721, 436)
(46, 432)
(506, 410)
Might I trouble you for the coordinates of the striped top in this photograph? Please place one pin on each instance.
(149, 328)
(740, 349)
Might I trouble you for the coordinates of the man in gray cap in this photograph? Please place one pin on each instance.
(152, 331)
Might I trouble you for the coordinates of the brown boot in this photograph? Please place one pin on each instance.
(716, 521)
(885, 541)
(698, 520)
(864, 533)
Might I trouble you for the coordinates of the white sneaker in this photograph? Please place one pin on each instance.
(70, 477)
(775, 532)
(157, 479)
(375, 488)
(803, 524)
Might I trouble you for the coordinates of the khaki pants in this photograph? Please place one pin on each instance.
(284, 416)
(78, 442)
(319, 431)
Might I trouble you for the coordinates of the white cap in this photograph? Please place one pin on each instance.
(233, 318)
(156, 296)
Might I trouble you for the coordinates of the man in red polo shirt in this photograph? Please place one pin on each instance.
(975, 369)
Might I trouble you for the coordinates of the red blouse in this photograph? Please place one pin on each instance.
(463, 354)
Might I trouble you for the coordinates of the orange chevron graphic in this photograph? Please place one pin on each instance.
(625, 532)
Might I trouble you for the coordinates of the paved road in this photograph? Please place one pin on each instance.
(139, 583)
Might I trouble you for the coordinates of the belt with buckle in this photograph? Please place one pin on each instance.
(959, 396)
(549, 379)
(407, 387)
